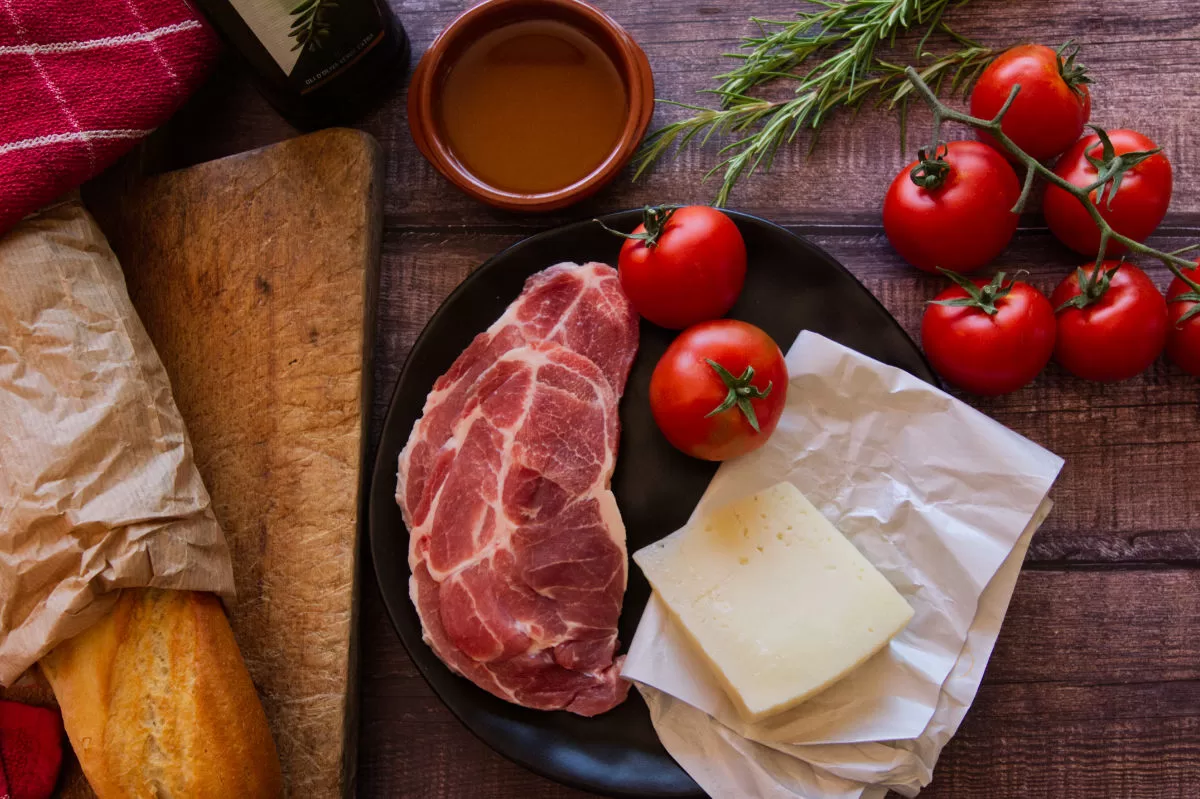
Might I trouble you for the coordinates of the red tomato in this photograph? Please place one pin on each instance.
(682, 266)
(1183, 338)
(1135, 211)
(996, 338)
(1120, 330)
(960, 223)
(719, 389)
(1052, 107)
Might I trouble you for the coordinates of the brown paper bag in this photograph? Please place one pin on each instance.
(98, 490)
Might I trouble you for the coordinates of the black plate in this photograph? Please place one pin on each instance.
(791, 285)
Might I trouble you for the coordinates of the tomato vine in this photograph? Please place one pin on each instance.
(1034, 168)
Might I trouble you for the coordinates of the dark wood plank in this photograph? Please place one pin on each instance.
(410, 744)
(1043, 757)
(1093, 690)
(1119, 498)
(1093, 628)
(849, 172)
(1094, 685)
(1142, 59)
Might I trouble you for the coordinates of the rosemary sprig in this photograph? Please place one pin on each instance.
(847, 35)
(860, 25)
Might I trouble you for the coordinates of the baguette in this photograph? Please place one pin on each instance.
(157, 702)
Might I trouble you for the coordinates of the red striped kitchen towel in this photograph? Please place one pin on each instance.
(30, 750)
(82, 82)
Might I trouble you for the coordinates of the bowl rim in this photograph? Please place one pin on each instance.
(628, 58)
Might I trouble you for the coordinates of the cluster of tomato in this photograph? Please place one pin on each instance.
(951, 211)
(719, 389)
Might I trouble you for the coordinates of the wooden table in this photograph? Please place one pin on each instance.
(1094, 688)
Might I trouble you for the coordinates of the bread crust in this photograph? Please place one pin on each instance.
(158, 703)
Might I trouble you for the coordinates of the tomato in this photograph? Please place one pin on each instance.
(1134, 209)
(1116, 325)
(953, 211)
(682, 266)
(1183, 334)
(719, 389)
(989, 337)
(1052, 107)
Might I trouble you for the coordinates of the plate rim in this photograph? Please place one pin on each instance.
(379, 463)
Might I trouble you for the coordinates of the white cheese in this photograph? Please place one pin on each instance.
(778, 601)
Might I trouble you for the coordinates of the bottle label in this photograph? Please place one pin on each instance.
(311, 40)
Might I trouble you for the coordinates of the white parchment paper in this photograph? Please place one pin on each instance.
(726, 764)
(937, 496)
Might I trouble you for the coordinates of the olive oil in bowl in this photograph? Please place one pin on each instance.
(533, 107)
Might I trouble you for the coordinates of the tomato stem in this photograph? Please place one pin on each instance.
(654, 218)
(982, 297)
(741, 391)
(943, 112)
(1111, 167)
(931, 173)
(1026, 188)
(1073, 73)
(1188, 296)
(1091, 287)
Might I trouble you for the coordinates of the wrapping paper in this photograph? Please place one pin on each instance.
(726, 764)
(98, 490)
(939, 498)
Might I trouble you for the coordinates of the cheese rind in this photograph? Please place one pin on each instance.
(774, 597)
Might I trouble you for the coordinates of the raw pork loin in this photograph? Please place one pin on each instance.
(516, 545)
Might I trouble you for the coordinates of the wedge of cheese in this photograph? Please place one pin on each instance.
(778, 601)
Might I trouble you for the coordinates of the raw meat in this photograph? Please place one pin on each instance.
(517, 548)
(580, 307)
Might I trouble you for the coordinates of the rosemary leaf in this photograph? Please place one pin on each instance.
(829, 54)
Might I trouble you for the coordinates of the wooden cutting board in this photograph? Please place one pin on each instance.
(255, 277)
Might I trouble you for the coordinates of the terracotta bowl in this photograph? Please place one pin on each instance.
(425, 92)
